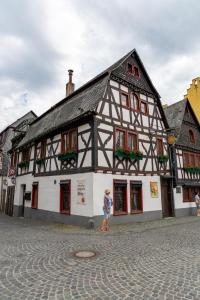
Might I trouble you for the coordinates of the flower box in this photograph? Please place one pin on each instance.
(162, 158)
(128, 154)
(67, 155)
(192, 170)
(40, 161)
(23, 164)
(121, 153)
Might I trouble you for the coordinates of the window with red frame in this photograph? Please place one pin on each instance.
(120, 139)
(186, 159)
(143, 107)
(132, 142)
(69, 141)
(136, 198)
(43, 149)
(34, 203)
(191, 137)
(25, 154)
(159, 145)
(125, 99)
(189, 193)
(65, 197)
(13, 160)
(130, 68)
(136, 71)
(120, 197)
(135, 102)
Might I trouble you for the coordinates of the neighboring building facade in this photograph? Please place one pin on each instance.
(186, 155)
(110, 133)
(8, 137)
(193, 95)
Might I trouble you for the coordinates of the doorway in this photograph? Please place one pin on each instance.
(166, 197)
(10, 201)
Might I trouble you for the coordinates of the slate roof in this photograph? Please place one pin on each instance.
(62, 113)
(175, 113)
(81, 102)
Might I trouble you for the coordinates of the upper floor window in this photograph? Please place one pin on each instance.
(191, 136)
(126, 140)
(25, 154)
(132, 69)
(159, 144)
(69, 140)
(13, 160)
(125, 99)
(143, 107)
(132, 142)
(120, 139)
(43, 149)
(135, 102)
(136, 71)
(191, 159)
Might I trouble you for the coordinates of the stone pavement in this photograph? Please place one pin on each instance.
(151, 260)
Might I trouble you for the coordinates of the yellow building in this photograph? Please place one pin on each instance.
(193, 95)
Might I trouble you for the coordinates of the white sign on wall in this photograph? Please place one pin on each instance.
(81, 191)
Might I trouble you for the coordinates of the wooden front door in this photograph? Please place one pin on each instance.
(166, 197)
(10, 201)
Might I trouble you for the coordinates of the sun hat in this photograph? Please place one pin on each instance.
(107, 191)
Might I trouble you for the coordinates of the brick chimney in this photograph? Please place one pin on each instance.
(70, 85)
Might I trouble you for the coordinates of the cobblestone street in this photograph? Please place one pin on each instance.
(153, 260)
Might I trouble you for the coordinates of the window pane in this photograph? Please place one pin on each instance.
(120, 198)
(124, 99)
(120, 139)
(135, 104)
(160, 147)
(73, 139)
(136, 71)
(132, 142)
(143, 107)
(130, 70)
(136, 201)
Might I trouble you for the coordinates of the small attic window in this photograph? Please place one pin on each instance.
(130, 68)
(191, 136)
(133, 70)
(136, 71)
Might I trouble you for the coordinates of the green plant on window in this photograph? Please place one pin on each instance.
(162, 158)
(120, 152)
(192, 169)
(40, 161)
(67, 155)
(23, 164)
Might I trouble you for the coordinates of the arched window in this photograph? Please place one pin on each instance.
(135, 102)
(191, 137)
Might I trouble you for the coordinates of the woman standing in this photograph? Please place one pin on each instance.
(197, 201)
(106, 210)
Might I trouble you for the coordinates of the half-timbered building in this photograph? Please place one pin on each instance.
(8, 137)
(109, 133)
(185, 154)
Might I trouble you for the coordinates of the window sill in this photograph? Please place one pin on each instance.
(65, 212)
(121, 213)
(136, 212)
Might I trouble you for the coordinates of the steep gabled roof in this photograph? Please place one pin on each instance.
(175, 114)
(82, 101)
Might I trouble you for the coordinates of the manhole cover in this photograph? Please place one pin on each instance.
(85, 254)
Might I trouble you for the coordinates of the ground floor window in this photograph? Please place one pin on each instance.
(189, 193)
(136, 197)
(120, 197)
(34, 203)
(65, 197)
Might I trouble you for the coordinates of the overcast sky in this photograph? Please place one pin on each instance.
(41, 39)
